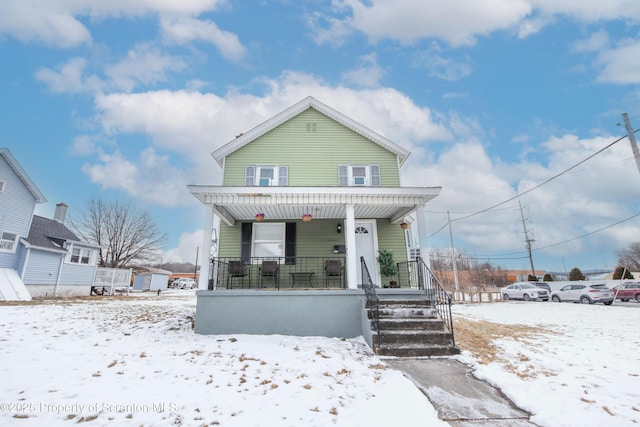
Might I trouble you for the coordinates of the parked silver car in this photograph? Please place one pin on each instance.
(585, 293)
(183, 283)
(524, 291)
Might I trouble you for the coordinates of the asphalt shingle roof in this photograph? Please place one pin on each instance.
(45, 232)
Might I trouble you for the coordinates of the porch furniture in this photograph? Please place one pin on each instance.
(333, 270)
(237, 269)
(302, 276)
(270, 270)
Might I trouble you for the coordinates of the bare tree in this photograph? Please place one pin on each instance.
(630, 257)
(125, 233)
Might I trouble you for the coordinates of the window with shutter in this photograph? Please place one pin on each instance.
(266, 176)
(359, 175)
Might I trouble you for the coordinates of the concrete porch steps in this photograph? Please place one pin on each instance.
(411, 328)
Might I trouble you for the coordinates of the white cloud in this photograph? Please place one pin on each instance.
(458, 22)
(368, 74)
(42, 22)
(149, 179)
(57, 23)
(187, 248)
(183, 29)
(596, 42)
(145, 65)
(70, 78)
(448, 69)
(620, 65)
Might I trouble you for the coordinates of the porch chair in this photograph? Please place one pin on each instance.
(270, 269)
(237, 269)
(333, 269)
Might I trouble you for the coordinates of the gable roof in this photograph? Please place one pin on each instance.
(13, 163)
(50, 234)
(289, 113)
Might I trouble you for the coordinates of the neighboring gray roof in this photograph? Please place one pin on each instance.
(308, 102)
(8, 157)
(49, 233)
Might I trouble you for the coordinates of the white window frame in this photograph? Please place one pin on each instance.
(350, 177)
(81, 256)
(280, 175)
(6, 242)
(256, 243)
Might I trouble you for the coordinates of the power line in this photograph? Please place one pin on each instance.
(534, 187)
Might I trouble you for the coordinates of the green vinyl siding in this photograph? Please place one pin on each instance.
(392, 237)
(313, 239)
(318, 237)
(312, 145)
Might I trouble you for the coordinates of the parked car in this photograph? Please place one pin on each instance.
(524, 291)
(627, 291)
(585, 293)
(183, 283)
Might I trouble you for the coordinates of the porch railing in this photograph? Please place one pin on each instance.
(277, 272)
(417, 275)
(373, 304)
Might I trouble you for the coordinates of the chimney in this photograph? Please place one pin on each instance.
(61, 212)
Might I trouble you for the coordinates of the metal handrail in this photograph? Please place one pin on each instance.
(440, 298)
(373, 303)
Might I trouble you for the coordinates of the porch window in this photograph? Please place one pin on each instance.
(359, 175)
(268, 240)
(266, 175)
(8, 241)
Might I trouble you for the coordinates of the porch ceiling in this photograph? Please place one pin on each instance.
(290, 203)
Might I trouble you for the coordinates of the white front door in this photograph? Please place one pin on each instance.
(366, 244)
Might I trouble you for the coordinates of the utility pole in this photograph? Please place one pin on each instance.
(527, 240)
(632, 139)
(453, 255)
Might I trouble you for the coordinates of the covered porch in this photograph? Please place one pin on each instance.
(341, 216)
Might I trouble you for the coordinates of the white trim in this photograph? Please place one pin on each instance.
(373, 269)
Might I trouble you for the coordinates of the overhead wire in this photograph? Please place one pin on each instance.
(532, 188)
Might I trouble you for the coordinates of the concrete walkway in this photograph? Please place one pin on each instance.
(461, 399)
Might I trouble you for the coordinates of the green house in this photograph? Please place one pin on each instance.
(308, 198)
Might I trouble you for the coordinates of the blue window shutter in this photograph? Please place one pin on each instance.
(375, 176)
(249, 175)
(283, 176)
(343, 176)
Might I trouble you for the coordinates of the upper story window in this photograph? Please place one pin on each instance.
(81, 256)
(1, 186)
(266, 175)
(359, 175)
(8, 241)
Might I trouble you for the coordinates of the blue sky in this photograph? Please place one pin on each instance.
(127, 99)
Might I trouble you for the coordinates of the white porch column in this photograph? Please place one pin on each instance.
(350, 240)
(421, 222)
(203, 280)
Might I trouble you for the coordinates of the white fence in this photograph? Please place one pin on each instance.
(113, 280)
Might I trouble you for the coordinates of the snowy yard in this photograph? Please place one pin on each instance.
(135, 361)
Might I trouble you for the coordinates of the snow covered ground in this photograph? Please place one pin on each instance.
(567, 364)
(135, 361)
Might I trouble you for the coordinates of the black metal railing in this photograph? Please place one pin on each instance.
(417, 274)
(277, 272)
(373, 303)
